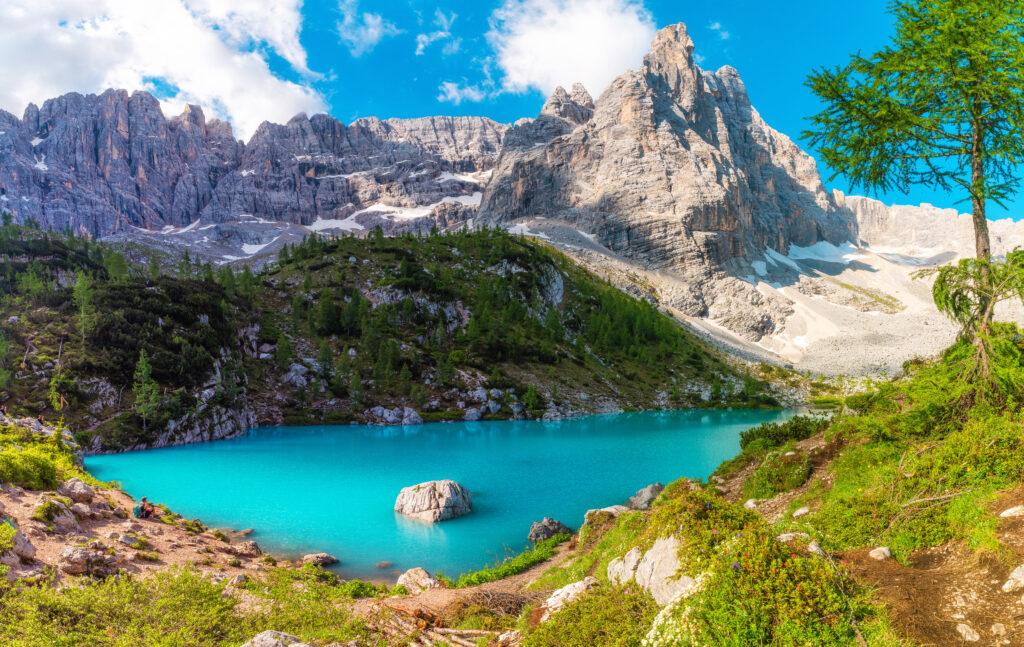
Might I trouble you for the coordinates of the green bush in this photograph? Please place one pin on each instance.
(172, 607)
(607, 615)
(760, 593)
(778, 473)
(699, 518)
(30, 468)
(780, 433)
(7, 533)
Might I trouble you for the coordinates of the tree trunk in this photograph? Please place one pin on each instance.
(982, 246)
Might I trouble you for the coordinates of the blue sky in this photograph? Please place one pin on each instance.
(249, 60)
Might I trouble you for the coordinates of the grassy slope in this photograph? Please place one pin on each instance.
(428, 320)
(915, 464)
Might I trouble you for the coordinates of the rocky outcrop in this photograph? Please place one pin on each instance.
(643, 499)
(546, 529)
(76, 490)
(103, 164)
(434, 501)
(657, 570)
(86, 560)
(675, 170)
(416, 580)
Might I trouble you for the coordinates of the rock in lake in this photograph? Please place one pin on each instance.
(546, 529)
(319, 559)
(416, 580)
(643, 499)
(434, 501)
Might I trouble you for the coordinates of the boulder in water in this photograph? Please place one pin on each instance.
(319, 559)
(434, 501)
(546, 529)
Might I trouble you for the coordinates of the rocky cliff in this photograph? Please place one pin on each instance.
(112, 163)
(673, 169)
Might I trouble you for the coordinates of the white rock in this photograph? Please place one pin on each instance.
(1016, 580)
(1015, 511)
(750, 504)
(815, 548)
(434, 501)
(787, 537)
(880, 553)
(621, 569)
(658, 568)
(76, 490)
(275, 639)
(319, 559)
(968, 634)
(416, 580)
(565, 595)
(801, 512)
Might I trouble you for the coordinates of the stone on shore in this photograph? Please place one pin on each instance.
(246, 548)
(76, 490)
(434, 501)
(643, 499)
(416, 580)
(319, 559)
(546, 529)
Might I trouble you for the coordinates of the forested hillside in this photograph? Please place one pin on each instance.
(458, 326)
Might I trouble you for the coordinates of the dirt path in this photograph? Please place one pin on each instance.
(437, 601)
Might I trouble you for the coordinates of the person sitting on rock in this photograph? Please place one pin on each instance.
(145, 510)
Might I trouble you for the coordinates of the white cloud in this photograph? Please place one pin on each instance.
(717, 28)
(444, 32)
(361, 33)
(455, 93)
(541, 44)
(249, 22)
(208, 52)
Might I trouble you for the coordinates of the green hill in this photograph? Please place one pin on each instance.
(335, 331)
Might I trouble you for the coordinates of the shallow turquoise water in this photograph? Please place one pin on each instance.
(333, 488)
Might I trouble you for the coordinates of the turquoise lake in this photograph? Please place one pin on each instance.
(333, 488)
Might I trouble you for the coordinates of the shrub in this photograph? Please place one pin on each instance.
(699, 519)
(774, 434)
(780, 472)
(759, 593)
(31, 469)
(607, 615)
